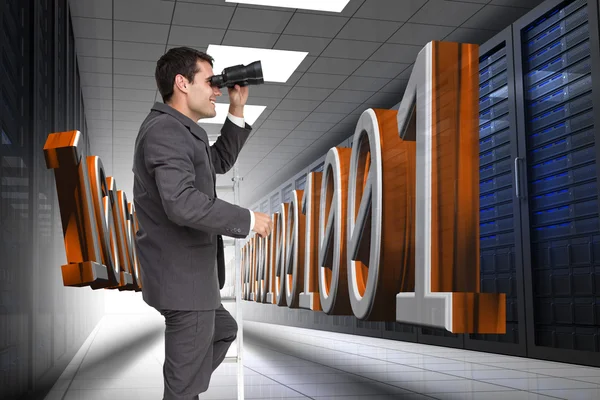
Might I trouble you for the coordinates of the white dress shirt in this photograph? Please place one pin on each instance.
(241, 123)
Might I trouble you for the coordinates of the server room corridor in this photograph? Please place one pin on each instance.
(122, 360)
(429, 168)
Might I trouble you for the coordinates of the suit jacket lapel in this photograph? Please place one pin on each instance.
(195, 129)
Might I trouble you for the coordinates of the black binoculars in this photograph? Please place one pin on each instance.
(250, 74)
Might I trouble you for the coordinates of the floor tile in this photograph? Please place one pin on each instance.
(282, 362)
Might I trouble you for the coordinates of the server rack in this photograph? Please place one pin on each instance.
(300, 182)
(556, 85)
(275, 202)
(501, 270)
(264, 206)
(286, 193)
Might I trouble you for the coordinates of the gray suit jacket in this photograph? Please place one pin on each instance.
(178, 211)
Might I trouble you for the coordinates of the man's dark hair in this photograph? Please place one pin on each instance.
(178, 60)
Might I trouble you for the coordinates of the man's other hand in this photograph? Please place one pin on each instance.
(263, 225)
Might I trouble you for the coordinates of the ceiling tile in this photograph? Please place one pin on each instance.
(400, 53)
(382, 99)
(420, 34)
(277, 133)
(325, 117)
(380, 69)
(335, 107)
(353, 49)
(321, 80)
(300, 105)
(94, 48)
(256, 20)
(368, 29)
(90, 92)
(313, 45)
(315, 25)
(258, 141)
(135, 82)
(134, 94)
(92, 28)
(306, 64)
(269, 90)
(134, 67)
(304, 93)
(406, 73)
(279, 124)
(138, 51)
(141, 32)
(494, 17)
(284, 115)
(197, 37)
(315, 126)
(349, 96)
(334, 66)
(269, 102)
(95, 64)
(351, 119)
(218, 2)
(193, 45)
(291, 141)
(517, 3)
(468, 35)
(93, 79)
(348, 11)
(364, 83)
(392, 10)
(445, 12)
(202, 15)
(261, 148)
(250, 39)
(272, 159)
(144, 11)
(293, 79)
(395, 86)
(305, 135)
(289, 149)
(91, 9)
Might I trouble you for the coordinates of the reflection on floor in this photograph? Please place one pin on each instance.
(122, 359)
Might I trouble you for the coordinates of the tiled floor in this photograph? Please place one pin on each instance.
(122, 359)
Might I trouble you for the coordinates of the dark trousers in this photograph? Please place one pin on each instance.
(196, 342)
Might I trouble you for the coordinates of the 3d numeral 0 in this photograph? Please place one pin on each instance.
(333, 281)
(381, 183)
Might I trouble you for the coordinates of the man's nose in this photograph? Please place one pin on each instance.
(217, 91)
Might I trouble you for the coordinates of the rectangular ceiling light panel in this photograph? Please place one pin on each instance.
(251, 114)
(277, 65)
(317, 5)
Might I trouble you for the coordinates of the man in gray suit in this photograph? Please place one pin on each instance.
(181, 220)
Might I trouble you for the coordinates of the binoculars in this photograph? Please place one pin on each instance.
(250, 74)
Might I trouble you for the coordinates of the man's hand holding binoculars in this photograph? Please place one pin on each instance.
(238, 95)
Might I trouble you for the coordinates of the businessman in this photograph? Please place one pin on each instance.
(181, 220)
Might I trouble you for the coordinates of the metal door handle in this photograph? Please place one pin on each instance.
(517, 178)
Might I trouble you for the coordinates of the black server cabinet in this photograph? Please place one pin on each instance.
(300, 182)
(556, 68)
(501, 270)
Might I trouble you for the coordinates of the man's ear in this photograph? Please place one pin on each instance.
(181, 82)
